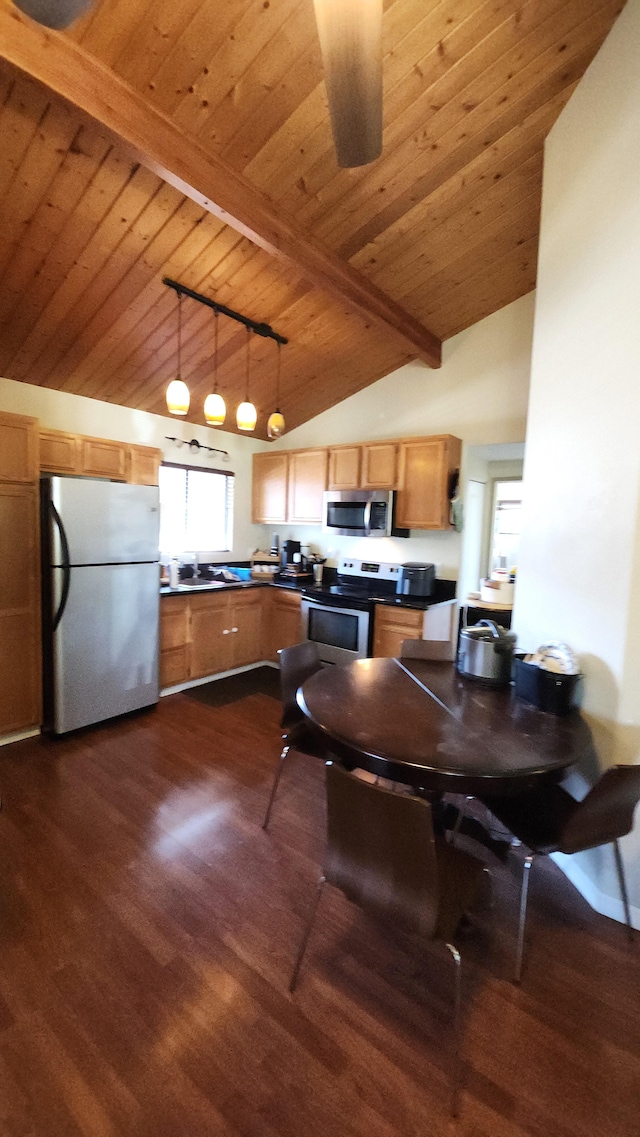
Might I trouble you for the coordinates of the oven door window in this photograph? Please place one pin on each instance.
(333, 628)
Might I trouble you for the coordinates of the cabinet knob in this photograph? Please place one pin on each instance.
(225, 631)
(234, 629)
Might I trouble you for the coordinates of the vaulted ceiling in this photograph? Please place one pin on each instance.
(191, 139)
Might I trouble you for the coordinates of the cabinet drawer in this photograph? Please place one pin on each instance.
(174, 666)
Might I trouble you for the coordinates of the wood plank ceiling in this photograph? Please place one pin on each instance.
(445, 223)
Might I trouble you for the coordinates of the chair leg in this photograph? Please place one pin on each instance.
(455, 1087)
(528, 861)
(623, 888)
(453, 833)
(305, 938)
(274, 788)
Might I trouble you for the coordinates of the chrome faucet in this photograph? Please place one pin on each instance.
(196, 570)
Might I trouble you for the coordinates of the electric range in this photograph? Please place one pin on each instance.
(339, 617)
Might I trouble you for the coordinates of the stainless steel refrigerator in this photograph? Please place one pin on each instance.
(100, 600)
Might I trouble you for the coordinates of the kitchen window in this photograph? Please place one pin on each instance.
(196, 511)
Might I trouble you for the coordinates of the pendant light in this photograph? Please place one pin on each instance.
(246, 414)
(178, 397)
(275, 424)
(214, 405)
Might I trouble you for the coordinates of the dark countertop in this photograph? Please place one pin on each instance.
(445, 591)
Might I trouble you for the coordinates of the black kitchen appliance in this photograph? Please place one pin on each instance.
(416, 579)
(289, 551)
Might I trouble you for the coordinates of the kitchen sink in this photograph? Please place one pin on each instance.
(195, 582)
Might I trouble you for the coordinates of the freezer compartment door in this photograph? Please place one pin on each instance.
(105, 522)
(105, 648)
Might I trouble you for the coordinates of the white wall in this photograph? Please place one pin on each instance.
(59, 410)
(479, 394)
(579, 567)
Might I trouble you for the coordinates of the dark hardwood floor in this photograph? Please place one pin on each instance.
(148, 928)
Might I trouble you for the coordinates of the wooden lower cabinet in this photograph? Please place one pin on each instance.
(283, 621)
(392, 626)
(206, 634)
(20, 668)
(245, 609)
(174, 640)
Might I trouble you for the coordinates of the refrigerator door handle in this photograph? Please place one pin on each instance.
(66, 565)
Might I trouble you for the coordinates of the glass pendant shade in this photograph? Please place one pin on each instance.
(178, 397)
(246, 416)
(275, 425)
(214, 410)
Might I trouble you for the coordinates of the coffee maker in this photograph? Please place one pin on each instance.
(289, 551)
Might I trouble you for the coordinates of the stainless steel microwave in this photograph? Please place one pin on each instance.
(358, 513)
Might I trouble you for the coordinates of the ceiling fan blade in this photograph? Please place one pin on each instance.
(350, 33)
(53, 13)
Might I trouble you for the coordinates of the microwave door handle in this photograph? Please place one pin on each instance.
(367, 518)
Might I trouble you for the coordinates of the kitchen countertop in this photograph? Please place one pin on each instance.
(445, 591)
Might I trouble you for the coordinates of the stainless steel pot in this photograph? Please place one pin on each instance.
(485, 652)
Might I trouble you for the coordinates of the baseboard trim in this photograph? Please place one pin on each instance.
(601, 902)
(19, 735)
(218, 675)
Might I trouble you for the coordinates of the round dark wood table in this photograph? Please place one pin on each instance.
(423, 724)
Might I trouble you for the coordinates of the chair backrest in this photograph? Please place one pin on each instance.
(442, 650)
(606, 813)
(297, 663)
(381, 851)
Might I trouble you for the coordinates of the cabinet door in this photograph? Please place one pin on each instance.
(246, 627)
(18, 448)
(283, 622)
(270, 479)
(59, 452)
(425, 466)
(20, 675)
(174, 637)
(101, 458)
(143, 465)
(392, 626)
(210, 646)
(380, 466)
(344, 468)
(307, 483)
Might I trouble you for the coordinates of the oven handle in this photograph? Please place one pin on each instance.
(367, 518)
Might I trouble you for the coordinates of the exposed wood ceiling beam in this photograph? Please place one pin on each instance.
(64, 67)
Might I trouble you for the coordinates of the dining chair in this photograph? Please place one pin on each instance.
(437, 650)
(383, 855)
(297, 663)
(549, 820)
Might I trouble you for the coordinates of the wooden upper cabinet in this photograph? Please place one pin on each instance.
(344, 467)
(379, 466)
(371, 466)
(18, 448)
(426, 466)
(270, 481)
(143, 465)
(59, 452)
(101, 458)
(307, 483)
